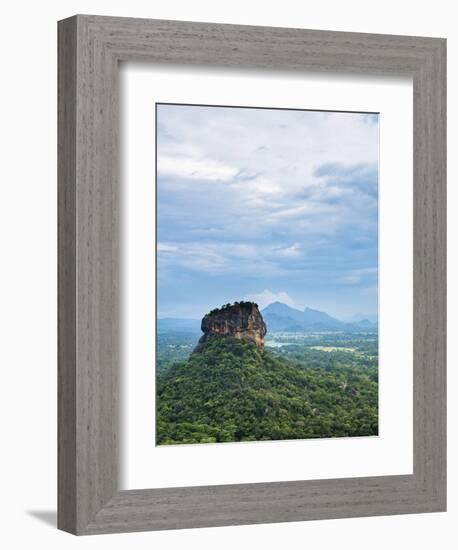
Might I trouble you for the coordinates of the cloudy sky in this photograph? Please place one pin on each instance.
(266, 205)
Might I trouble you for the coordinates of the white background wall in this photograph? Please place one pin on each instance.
(28, 271)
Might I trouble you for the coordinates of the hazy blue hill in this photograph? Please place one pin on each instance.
(169, 324)
(278, 317)
(282, 310)
(364, 324)
(283, 318)
(234, 391)
(363, 317)
(313, 316)
(282, 323)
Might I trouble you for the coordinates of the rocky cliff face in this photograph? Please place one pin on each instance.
(241, 320)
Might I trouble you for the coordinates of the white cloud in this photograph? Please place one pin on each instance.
(249, 195)
(355, 276)
(266, 186)
(370, 290)
(266, 297)
(291, 251)
(194, 256)
(352, 279)
(164, 247)
(307, 208)
(269, 161)
(209, 257)
(195, 168)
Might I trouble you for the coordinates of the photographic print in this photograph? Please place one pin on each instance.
(267, 274)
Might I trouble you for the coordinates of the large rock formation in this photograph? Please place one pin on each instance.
(241, 320)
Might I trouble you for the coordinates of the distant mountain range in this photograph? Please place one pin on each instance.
(357, 317)
(281, 318)
(171, 324)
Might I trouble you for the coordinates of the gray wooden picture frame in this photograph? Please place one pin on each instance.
(90, 49)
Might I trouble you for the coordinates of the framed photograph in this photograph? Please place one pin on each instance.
(251, 275)
(229, 227)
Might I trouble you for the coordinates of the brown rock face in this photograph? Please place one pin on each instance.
(241, 320)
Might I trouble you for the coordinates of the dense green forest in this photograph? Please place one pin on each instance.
(304, 347)
(234, 391)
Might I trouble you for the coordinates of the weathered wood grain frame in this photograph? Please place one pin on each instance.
(90, 48)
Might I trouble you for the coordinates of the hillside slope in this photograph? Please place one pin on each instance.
(233, 391)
